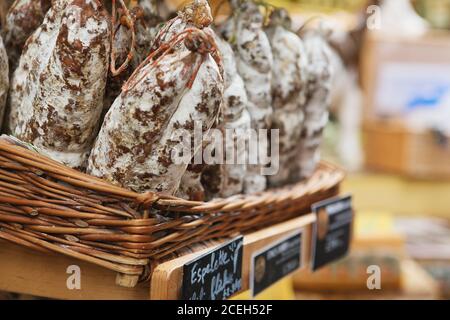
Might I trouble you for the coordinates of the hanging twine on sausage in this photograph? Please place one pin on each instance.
(126, 19)
(195, 40)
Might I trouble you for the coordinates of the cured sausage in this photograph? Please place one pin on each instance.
(157, 108)
(57, 90)
(320, 75)
(254, 64)
(289, 84)
(22, 19)
(196, 14)
(227, 178)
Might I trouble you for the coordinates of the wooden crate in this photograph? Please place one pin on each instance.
(391, 147)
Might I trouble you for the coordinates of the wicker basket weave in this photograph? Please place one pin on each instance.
(49, 207)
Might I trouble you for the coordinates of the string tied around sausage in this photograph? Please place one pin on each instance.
(195, 40)
(128, 19)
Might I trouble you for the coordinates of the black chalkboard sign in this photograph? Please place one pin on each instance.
(216, 275)
(274, 262)
(332, 230)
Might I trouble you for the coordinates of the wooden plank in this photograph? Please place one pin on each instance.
(30, 272)
(167, 277)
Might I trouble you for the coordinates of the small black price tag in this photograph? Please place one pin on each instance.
(332, 230)
(216, 275)
(274, 262)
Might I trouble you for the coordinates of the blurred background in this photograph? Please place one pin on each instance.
(390, 128)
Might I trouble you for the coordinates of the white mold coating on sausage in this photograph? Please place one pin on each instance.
(227, 179)
(134, 145)
(288, 88)
(320, 72)
(61, 98)
(22, 19)
(254, 63)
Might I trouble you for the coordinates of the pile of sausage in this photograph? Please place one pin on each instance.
(113, 88)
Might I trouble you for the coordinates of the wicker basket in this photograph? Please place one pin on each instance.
(49, 207)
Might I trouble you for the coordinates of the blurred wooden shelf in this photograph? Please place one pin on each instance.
(416, 284)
